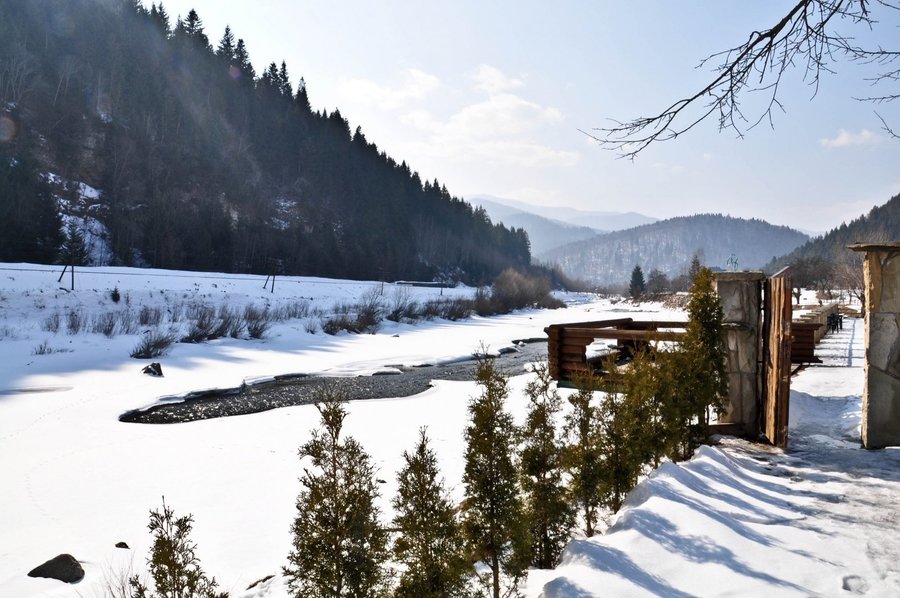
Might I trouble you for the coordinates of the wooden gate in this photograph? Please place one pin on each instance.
(777, 357)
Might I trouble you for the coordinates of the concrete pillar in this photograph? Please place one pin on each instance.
(740, 294)
(881, 394)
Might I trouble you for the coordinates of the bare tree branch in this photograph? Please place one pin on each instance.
(805, 38)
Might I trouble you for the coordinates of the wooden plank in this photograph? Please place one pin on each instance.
(777, 358)
(594, 324)
(570, 346)
(635, 335)
(571, 359)
(657, 324)
(582, 340)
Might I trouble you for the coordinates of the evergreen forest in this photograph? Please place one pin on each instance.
(205, 164)
(881, 224)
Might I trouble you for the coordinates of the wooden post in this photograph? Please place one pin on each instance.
(71, 268)
(273, 269)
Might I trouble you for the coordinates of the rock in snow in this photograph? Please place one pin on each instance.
(154, 369)
(63, 567)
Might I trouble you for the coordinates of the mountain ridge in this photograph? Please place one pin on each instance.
(881, 223)
(596, 219)
(669, 245)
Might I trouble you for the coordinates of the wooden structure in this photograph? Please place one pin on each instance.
(803, 342)
(776, 365)
(758, 333)
(567, 343)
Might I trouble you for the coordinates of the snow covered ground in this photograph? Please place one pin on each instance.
(738, 520)
(741, 519)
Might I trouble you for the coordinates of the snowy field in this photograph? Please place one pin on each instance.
(738, 520)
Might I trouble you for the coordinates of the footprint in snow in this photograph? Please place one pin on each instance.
(855, 584)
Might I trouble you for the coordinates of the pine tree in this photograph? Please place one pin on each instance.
(174, 566)
(160, 18)
(302, 97)
(582, 455)
(226, 49)
(704, 344)
(694, 375)
(269, 81)
(637, 286)
(242, 61)
(548, 513)
(284, 82)
(430, 543)
(493, 521)
(339, 544)
(193, 28)
(641, 384)
(621, 446)
(73, 252)
(694, 268)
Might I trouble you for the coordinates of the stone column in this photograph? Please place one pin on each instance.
(740, 294)
(881, 394)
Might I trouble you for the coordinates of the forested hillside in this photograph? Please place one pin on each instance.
(669, 245)
(203, 163)
(882, 223)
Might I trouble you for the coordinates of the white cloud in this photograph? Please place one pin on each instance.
(523, 153)
(507, 152)
(498, 130)
(502, 115)
(422, 120)
(416, 86)
(845, 138)
(492, 80)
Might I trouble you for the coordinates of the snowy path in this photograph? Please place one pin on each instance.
(825, 443)
(742, 519)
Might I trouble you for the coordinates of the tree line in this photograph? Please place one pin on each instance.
(526, 488)
(205, 164)
(668, 246)
(825, 263)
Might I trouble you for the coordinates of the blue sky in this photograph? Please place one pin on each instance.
(489, 97)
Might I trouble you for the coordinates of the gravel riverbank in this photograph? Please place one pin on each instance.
(287, 391)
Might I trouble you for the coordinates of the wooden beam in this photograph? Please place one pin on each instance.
(596, 324)
(631, 335)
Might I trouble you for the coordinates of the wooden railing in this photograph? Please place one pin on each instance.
(567, 343)
(806, 332)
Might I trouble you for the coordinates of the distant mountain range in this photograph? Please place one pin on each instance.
(669, 245)
(882, 223)
(552, 227)
(600, 220)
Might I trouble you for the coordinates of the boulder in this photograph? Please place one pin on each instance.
(154, 369)
(121, 545)
(63, 567)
